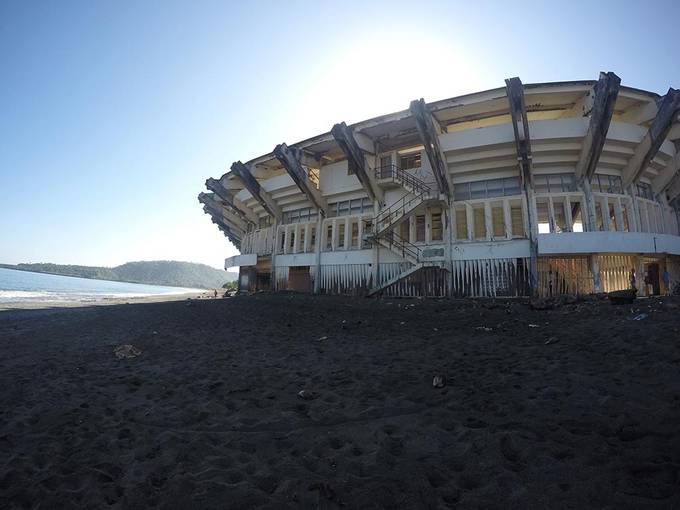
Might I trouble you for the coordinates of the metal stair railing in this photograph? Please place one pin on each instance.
(399, 176)
(401, 246)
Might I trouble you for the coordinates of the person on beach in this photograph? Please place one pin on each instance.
(215, 293)
(666, 276)
(632, 279)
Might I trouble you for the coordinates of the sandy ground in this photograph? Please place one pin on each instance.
(577, 407)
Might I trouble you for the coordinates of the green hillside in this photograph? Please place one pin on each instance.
(156, 272)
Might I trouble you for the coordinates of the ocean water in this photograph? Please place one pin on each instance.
(24, 286)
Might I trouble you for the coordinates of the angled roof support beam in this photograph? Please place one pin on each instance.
(235, 204)
(291, 159)
(259, 194)
(662, 181)
(224, 221)
(520, 126)
(221, 209)
(649, 146)
(233, 238)
(606, 90)
(429, 131)
(353, 146)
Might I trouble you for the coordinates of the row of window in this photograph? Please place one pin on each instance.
(491, 188)
(471, 222)
(350, 207)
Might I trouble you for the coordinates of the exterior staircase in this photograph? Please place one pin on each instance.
(417, 193)
(384, 223)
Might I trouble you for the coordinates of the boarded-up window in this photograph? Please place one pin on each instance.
(517, 220)
(355, 234)
(498, 220)
(312, 238)
(404, 230)
(437, 227)
(291, 239)
(479, 223)
(341, 235)
(461, 223)
(302, 239)
(420, 228)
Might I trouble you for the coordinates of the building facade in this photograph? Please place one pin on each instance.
(526, 189)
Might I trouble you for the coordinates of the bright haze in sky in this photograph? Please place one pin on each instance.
(113, 114)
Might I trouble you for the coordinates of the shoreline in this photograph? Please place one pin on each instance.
(107, 301)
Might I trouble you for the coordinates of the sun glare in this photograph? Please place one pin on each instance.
(382, 73)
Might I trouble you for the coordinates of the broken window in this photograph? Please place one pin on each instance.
(329, 237)
(491, 188)
(409, 161)
(302, 239)
(291, 237)
(543, 212)
(368, 228)
(437, 227)
(624, 216)
(420, 228)
(341, 235)
(282, 240)
(461, 223)
(576, 216)
(355, 234)
(312, 238)
(599, 221)
(612, 218)
(560, 216)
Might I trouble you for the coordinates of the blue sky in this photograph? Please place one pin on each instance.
(113, 114)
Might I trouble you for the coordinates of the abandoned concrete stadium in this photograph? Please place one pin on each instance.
(525, 189)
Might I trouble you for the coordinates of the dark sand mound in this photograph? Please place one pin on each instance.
(582, 411)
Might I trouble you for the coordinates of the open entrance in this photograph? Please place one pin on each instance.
(299, 279)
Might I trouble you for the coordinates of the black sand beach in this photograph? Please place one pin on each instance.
(577, 407)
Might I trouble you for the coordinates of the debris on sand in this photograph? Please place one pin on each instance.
(541, 304)
(126, 351)
(622, 297)
(534, 326)
(321, 339)
(552, 340)
(438, 381)
(483, 328)
(639, 317)
(306, 395)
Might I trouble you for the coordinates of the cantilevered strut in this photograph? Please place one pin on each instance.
(347, 140)
(429, 130)
(251, 184)
(649, 146)
(290, 159)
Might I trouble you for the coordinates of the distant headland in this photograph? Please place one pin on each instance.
(156, 272)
